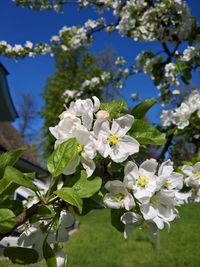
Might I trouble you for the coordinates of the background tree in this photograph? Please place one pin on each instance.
(28, 113)
(72, 69)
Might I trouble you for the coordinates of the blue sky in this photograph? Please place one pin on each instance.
(19, 25)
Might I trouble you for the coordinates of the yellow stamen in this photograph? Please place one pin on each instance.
(113, 140)
(143, 181)
(119, 197)
(79, 148)
(167, 184)
(197, 174)
(182, 119)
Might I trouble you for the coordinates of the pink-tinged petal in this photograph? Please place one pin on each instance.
(96, 104)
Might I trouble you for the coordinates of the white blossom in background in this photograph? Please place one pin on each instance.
(96, 81)
(166, 117)
(71, 94)
(192, 180)
(120, 61)
(181, 116)
(171, 74)
(35, 235)
(189, 53)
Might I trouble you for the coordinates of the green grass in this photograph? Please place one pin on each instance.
(98, 244)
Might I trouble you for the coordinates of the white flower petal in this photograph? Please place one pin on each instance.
(88, 165)
(81, 134)
(149, 165)
(131, 174)
(127, 146)
(122, 125)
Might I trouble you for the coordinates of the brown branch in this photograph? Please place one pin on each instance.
(22, 218)
(167, 144)
(25, 215)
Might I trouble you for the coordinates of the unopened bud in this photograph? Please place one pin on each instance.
(102, 114)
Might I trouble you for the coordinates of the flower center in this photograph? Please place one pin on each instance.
(79, 148)
(197, 174)
(167, 184)
(119, 197)
(143, 181)
(154, 199)
(182, 119)
(113, 139)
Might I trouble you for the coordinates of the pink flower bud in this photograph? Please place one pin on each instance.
(102, 114)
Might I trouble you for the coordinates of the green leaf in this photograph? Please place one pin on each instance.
(49, 255)
(20, 255)
(45, 210)
(90, 204)
(87, 187)
(147, 134)
(7, 220)
(115, 108)
(15, 176)
(61, 156)
(15, 205)
(7, 187)
(140, 110)
(10, 158)
(115, 219)
(70, 196)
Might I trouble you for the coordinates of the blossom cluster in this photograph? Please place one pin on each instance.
(96, 81)
(141, 20)
(148, 194)
(46, 231)
(181, 115)
(28, 49)
(95, 134)
(192, 180)
(171, 74)
(40, 5)
(136, 19)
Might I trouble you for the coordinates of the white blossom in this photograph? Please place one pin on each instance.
(113, 141)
